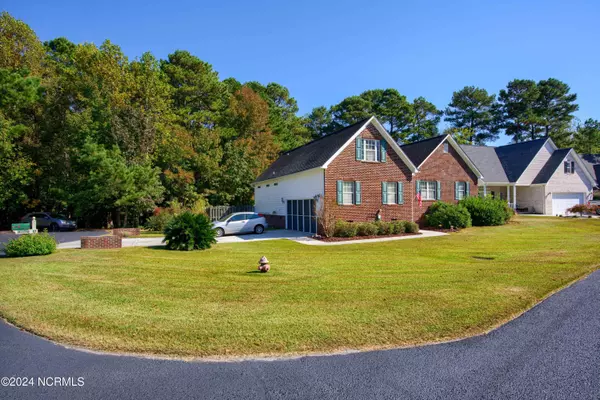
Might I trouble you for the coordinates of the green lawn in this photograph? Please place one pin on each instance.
(315, 298)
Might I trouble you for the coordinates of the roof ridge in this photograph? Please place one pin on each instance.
(326, 136)
(425, 140)
(526, 141)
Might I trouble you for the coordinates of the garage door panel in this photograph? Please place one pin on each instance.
(561, 202)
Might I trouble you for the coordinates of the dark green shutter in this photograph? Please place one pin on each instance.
(340, 192)
(467, 189)
(359, 149)
(383, 151)
(357, 192)
(384, 199)
(400, 194)
(439, 191)
(456, 190)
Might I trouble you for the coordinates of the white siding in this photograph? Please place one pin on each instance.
(536, 165)
(567, 183)
(531, 197)
(303, 185)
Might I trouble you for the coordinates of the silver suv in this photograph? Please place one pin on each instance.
(51, 221)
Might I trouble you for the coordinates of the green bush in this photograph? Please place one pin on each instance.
(367, 229)
(397, 227)
(383, 228)
(189, 231)
(345, 229)
(159, 222)
(448, 215)
(37, 244)
(411, 227)
(487, 211)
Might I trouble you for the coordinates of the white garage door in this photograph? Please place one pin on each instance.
(562, 201)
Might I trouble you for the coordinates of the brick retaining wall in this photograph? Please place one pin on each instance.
(101, 242)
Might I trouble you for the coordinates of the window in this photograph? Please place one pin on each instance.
(371, 147)
(461, 190)
(428, 190)
(348, 193)
(275, 184)
(569, 167)
(268, 185)
(238, 217)
(446, 148)
(392, 190)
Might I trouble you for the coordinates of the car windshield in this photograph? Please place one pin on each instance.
(224, 218)
(59, 216)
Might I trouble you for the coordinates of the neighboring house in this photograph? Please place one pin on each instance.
(592, 162)
(533, 176)
(362, 171)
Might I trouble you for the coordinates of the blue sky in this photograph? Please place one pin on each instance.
(325, 51)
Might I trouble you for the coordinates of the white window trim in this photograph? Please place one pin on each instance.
(393, 193)
(424, 189)
(376, 149)
(352, 193)
(461, 186)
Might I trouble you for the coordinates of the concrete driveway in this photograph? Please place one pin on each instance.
(550, 352)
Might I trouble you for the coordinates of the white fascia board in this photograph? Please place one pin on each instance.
(384, 134)
(265, 181)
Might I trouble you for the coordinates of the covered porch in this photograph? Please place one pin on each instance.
(526, 198)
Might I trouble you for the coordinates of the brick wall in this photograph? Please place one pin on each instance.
(101, 242)
(126, 231)
(370, 175)
(446, 168)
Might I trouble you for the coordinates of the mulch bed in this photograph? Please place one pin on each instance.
(442, 230)
(347, 239)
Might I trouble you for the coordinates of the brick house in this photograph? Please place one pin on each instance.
(361, 172)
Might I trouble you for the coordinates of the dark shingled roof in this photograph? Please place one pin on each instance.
(551, 165)
(487, 161)
(516, 157)
(417, 152)
(592, 162)
(311, 155)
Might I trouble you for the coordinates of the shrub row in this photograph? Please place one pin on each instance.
(351, 229)
(37, 244)
(476, 211)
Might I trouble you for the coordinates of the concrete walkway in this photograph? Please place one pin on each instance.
(268, 235)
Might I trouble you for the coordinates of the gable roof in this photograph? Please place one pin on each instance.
(419, 151)
(515, 158)
(592, 163)
(487, 161)
(551, 165)
(320, 152)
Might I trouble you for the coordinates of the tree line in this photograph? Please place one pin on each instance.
(86, 131)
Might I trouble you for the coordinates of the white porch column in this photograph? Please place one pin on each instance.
(515, 197)
(508, 194)
(484, 190)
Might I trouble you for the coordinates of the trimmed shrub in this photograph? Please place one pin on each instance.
(487, 211)
(345, 229)
(367, 229)
(446, 215)
(189, 231)
(411, 227)
(37, 244)
(383, 228)
(397, 227)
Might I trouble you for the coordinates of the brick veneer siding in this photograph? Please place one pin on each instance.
(370, 175)
(101, 242)
(446, 168)
(126, 231)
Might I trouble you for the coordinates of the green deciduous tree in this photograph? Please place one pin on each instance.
(586, 139)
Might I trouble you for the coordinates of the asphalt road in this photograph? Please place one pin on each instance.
(551, 352)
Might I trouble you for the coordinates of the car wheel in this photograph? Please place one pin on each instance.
(220, 232)
(259, 229)
(54, 227)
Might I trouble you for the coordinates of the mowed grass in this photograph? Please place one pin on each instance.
(315, 299)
